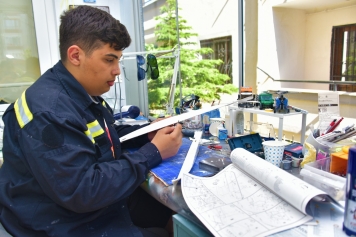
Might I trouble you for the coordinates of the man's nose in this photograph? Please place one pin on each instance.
(117, 71)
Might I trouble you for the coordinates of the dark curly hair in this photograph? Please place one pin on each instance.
(90, 28)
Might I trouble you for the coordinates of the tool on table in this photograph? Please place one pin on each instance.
(337, 123)
(329, 136)
(327, 130)
(281, 104)
(215, 147)
(266, 100)
(189, 102)
(205, 142)
(214, 164)
(246, 91)
(347, 128)
(343, 136)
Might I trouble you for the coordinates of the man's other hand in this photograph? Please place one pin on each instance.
(168, 140)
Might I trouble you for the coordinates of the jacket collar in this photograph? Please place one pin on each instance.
(73, 88)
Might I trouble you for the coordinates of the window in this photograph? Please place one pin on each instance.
(343, 56)
(12, 24)
(12, 42)
(19, 63)
(222, 50)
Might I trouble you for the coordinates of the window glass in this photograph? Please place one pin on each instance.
(222, 50)
(19, 64)
(343, 56)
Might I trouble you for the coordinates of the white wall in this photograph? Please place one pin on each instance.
(290, 43)
(295, 45)
(281, 43)
(318, 41)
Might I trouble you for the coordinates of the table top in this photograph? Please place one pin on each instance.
(327, 214)
(159, 180)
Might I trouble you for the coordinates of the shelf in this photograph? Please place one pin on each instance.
(277, 115)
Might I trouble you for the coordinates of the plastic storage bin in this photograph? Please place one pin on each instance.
(251, 142)
(319, 147)
(317, 174)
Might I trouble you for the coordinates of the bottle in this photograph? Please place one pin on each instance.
(349, 225)
(128, 111)
(206, 123)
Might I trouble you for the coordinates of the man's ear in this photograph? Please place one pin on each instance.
(74, 54)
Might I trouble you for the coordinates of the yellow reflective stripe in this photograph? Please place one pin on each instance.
(23, 113)
(103, 103)
(94, 130)
(87, 132)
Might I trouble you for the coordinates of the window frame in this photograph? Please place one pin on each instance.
(46, 33)
(338, 56)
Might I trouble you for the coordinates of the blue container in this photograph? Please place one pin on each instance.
(206, 128)
(251, 142)
(349, 225)
(222, 133)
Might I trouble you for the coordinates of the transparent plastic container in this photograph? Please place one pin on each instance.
(317, 174)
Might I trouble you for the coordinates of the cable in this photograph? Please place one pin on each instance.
(115, 93)
(120, 101)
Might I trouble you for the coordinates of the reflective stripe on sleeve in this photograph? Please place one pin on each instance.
(23, 113)
(94, 130)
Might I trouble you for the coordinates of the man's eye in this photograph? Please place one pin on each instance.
(110, 60)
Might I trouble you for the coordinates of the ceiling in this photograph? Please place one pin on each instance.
(311, 6)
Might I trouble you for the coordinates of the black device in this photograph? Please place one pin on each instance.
(214, 164)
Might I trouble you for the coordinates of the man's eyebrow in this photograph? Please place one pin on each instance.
(112, 55)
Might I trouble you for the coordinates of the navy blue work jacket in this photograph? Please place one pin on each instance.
(62, 176)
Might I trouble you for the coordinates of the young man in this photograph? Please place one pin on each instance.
(64, 171)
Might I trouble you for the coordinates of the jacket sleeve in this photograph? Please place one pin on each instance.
(65, 163)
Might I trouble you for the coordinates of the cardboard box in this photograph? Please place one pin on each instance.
(293, 150)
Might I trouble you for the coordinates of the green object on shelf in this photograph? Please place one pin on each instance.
(186, 228)
(266, 100)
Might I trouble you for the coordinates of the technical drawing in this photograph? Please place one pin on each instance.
(235, 203)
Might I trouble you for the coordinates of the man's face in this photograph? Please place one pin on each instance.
(99, 70)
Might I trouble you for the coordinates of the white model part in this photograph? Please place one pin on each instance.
(190, 158)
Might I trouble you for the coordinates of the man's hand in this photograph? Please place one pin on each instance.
(152, 134)
(168, 140)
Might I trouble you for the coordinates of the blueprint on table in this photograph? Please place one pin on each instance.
(250, 197)
(169, 168)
